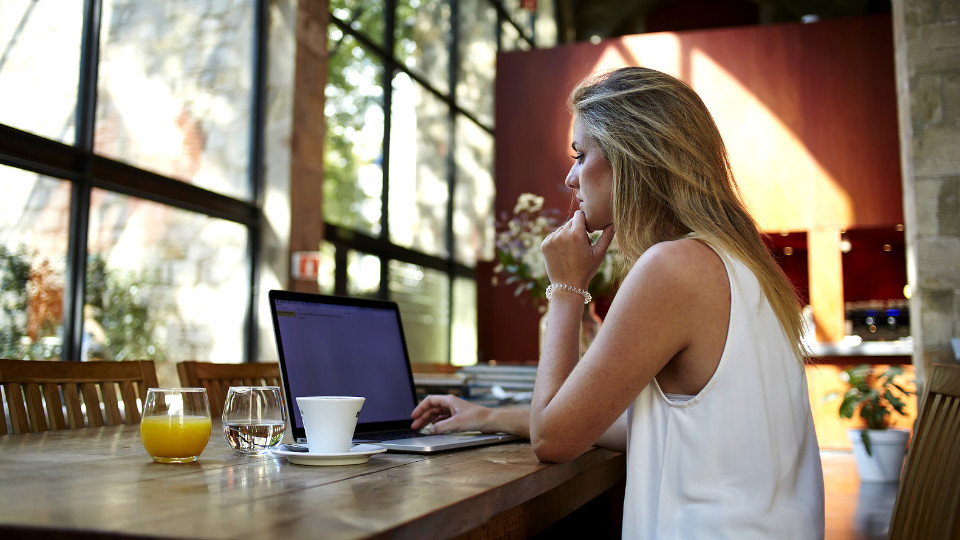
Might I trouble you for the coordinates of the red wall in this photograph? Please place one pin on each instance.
(808, 113)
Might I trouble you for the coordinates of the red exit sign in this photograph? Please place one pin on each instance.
(305, 265)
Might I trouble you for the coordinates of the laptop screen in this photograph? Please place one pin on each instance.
(341, 346)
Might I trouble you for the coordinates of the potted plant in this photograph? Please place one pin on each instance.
(878, 448)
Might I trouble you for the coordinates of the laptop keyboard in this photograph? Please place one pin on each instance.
(391, 435)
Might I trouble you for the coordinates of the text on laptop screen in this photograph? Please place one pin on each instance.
(329, 350)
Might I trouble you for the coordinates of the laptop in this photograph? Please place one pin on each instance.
(344, 346)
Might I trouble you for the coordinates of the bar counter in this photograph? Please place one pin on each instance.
(95, 482)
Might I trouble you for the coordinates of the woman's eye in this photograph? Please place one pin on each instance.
(578, 157)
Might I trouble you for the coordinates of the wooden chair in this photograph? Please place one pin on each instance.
(44, 395)
(218, 378)
(928, 498)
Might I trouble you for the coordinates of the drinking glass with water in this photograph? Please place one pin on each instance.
(254, 419)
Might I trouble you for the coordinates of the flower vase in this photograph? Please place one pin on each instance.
(589, 326)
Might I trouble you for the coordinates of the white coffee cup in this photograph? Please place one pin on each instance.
(329, 422)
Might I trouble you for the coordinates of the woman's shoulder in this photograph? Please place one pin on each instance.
(672, 265)
(681, 255)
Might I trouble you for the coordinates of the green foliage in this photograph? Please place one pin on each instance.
(354, 89)
(116, 304)
(14, 277)
(876, 397)
(119, 304)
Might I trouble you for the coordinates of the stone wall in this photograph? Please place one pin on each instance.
(927, 58)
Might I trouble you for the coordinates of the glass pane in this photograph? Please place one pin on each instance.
(423, 39)
(520, 16)
(474, 192)
(363, 274)
(34, 228)
(510, 39)
(326, 273)
(164, 284)
(419, 141)
(364, 16)
(423, 296)
(477, 55)
(353, 147)
(545, 33)
(464, 334)
(39, 73)
(175, 89)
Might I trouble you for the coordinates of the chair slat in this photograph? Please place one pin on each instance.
(111, 405)
(71, 398)
(17, 407)
(3, 412)
(129, 394)
(55, 413)
(35, 414)
(91, 400)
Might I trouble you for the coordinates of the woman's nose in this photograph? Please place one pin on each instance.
(572, 181)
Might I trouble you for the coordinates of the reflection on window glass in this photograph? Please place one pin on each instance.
(353, 147)
(422, 43)
(423, 296)
(39, 75)
(522, 17)
(175, 87)
(163, 284)
(363, 274)
(33, 246)
(364, 16)
(474, 193)
(510, 39)
(545, 26)
(464, 333)
(326, 278)
(477, 58)
(419, 139)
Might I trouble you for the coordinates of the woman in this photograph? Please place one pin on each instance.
(699, 357)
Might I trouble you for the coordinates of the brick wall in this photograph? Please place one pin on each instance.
(927, 57)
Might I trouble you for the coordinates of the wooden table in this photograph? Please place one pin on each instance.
(94, 482)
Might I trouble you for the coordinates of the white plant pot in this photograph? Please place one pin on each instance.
(889, 448)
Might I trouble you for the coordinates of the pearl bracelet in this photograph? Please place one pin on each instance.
(553, 287)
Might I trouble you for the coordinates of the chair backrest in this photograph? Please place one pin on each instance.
(929, 493)
(218, 378)
(48, 395)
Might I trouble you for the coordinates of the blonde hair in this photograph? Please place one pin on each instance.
(672, 177)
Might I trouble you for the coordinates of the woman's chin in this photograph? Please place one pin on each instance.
(591, 228)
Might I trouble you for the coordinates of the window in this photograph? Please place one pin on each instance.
(408, 166)
(129, 152)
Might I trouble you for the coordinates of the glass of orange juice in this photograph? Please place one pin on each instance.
(175, 427)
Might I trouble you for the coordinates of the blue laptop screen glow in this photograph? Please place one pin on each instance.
(346, 351)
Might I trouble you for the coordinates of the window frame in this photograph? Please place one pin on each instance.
(344, 239)
(85, 170)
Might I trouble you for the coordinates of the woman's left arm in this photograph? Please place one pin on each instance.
(576, 400)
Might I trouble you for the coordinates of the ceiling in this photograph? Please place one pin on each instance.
(582, 20)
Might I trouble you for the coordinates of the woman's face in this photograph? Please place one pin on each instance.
(592, 178)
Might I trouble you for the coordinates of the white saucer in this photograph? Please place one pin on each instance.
(360, 453)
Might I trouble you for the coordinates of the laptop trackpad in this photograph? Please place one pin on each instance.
(447, 441)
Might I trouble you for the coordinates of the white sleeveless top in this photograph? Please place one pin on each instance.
(740, 459)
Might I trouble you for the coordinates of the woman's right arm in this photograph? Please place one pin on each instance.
(450, 413)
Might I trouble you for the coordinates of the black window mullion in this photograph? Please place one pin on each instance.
(261, 18)
(389, 70)
(452, 74)
(76, 267)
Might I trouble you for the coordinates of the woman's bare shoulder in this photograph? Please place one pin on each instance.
(685, 256)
